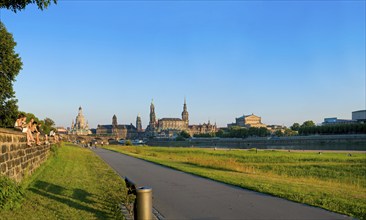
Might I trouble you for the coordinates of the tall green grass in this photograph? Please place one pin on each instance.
(11, 194)
(333, 181)
(74, 184)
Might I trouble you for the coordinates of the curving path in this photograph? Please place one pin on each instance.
(178, 195)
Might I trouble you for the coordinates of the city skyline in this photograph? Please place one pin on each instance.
(284, 61)
(203, 122)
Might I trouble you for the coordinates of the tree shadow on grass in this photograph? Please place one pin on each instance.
(49, 187)
(55, 192)
(82, 195)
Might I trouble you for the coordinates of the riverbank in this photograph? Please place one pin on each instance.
(315, 142)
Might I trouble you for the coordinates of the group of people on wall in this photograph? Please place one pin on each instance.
(30, 128)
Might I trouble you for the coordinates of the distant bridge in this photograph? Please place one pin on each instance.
(85, 139)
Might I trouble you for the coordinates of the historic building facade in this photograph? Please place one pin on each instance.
(205, 128)
(248, 121)
(168, 127)
(80, 126)
(118, 131)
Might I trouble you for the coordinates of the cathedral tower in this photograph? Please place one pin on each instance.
(114, 121)
(115, 126)
(138, 123)
(152, 116)
(185, 114)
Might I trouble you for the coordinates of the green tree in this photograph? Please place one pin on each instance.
(295, 126)
(48, 125)
(10, 62)
(263, 132)
(18, 5)
(10, 65)
(8, 113)
(278, 133)
(220, 133)
(290, 132)
(308, 124)
(29, 116)
(180, 138)
(185, 134)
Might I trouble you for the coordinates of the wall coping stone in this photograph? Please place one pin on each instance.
(11, 131)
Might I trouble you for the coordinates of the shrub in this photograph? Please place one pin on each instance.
(128, 143)
(185, 134)
(11, 194)
(180, 138)
(54, 148)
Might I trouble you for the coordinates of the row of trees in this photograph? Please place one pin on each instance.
(232, 132)
(297, 126)
(309, 128)
(334, 129)
(287, 132)
(240, 132)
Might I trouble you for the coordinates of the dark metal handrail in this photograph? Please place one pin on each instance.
(142, 206)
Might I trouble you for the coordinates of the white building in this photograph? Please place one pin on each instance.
(80, 127)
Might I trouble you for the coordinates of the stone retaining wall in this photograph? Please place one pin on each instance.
(16, 158)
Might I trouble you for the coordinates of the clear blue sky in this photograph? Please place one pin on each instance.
(284, 61)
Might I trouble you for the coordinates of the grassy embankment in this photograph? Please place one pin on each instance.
(333, 181)
(73, 184)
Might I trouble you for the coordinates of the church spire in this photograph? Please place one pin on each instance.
(185, 104)
(185, 114)
(114, 121)
(138, 123)
(152, 115)
(152, 107)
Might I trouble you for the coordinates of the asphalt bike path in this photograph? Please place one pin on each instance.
(178, 195)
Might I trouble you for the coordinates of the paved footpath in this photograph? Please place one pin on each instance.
(178, 195)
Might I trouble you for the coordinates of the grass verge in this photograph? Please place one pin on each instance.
(333, 181)
(73, 184)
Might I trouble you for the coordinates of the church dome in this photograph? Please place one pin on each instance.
(80, 127)
(80, 120)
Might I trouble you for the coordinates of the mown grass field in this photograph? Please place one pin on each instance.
(73, 184)
(333, 181)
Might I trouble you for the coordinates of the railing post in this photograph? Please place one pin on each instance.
(143, 203)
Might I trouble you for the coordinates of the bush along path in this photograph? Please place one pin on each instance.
(73, 184)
